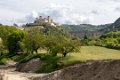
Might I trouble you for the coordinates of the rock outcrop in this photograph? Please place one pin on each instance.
(30, 66)
(93, 70)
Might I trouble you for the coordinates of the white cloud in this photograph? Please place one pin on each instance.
(116, 0)
(60, 13)
(27, 18)
(95, 12)
(108, 0)
(63, 11)
(117, 9)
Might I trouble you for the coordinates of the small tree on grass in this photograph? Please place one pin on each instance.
(61, 44)
(68, 46)
(51, 45)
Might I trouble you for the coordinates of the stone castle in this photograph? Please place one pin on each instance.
(43, 22)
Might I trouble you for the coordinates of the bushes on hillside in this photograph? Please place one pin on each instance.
(111, 40)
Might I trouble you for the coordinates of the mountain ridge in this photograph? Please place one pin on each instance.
(90, 30)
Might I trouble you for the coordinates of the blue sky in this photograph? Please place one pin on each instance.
(62, 11)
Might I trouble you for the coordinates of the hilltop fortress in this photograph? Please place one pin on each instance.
(43, 22)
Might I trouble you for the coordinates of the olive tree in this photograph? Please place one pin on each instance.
(61, 44)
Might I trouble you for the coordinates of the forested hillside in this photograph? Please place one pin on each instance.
(84, 27)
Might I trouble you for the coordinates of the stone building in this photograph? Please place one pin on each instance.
(41, 22)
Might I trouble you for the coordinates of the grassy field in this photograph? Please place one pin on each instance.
(92, 53)
(57, 62)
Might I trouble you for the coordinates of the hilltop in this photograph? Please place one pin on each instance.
(92, 30)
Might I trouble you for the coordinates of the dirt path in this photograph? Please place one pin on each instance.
(9, 73)
(12, 76)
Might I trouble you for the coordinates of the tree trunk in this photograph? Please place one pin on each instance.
(64, 54)
(36, 51)
(32, 52)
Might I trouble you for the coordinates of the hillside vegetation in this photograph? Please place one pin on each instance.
(85, 27)
(111, 40)
(60, 49)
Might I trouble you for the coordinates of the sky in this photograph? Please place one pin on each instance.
(94, 12)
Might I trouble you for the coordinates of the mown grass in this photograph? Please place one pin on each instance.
(92, 53)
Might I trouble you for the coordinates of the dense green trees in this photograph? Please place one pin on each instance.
(14, 41)
(11, 39)
(54, 40)
(111, 40)
(33, 41)
(5, 31)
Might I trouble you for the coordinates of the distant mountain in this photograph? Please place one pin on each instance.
(116, 24)
(112, 27)
(92, 30)
(81, 27)
(86, 29)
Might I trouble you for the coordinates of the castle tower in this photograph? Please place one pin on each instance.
(40, 17)
(36, 21)
(45, 20)
(49, 19)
